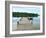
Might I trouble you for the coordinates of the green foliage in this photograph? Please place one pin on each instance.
(24, 14)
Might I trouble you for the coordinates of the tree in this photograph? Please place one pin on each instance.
(23, 14)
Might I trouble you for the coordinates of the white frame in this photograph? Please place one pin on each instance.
(27, 31)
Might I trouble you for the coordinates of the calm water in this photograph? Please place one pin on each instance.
(15, 19)
(36, 21)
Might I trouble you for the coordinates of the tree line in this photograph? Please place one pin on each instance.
(24, 14)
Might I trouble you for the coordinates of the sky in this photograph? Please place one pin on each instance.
(27, 9)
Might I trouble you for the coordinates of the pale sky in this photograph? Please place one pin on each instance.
(27, 9)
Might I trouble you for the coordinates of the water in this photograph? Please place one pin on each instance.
(15, 19)
(36, 21)
(14, 22)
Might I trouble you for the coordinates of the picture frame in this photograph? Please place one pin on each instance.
(9, 6)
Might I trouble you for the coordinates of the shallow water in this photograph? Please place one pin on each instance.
(36, 21)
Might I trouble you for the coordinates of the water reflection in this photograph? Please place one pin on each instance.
(35, 21)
